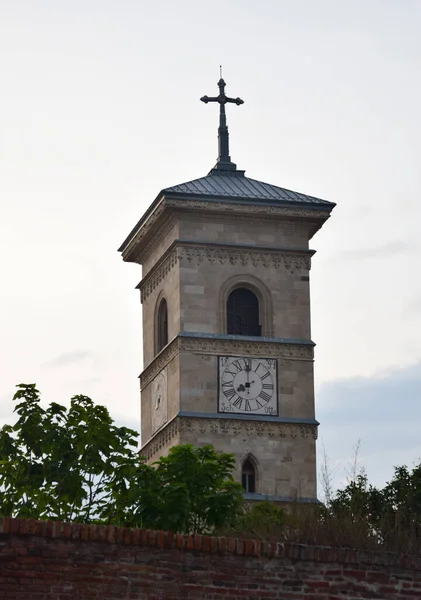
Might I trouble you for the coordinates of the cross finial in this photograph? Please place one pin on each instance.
(224, 159)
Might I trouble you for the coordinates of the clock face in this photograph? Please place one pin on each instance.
(159, 401)
(248, 385)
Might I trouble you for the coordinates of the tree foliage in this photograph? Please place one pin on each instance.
(191, 489)
(75, 464)
(391, 515)
(58, 462)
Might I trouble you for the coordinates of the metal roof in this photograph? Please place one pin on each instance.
(234, 184)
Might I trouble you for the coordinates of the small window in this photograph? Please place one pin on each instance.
(162, 325)
(248, 477)
(243, 313)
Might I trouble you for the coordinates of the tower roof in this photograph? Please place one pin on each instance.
(234, 184)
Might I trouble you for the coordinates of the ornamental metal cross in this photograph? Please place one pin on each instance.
(224, 159)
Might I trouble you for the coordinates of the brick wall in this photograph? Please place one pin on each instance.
(51, 560)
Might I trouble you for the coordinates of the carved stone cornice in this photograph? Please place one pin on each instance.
(133, 248)
(164, 228)
(225, 427)
(222, 346)
(129, 248)
(294, 261)
(233, 347)
(159, 362)
(249, 207)
(162, 439)
(158, 272)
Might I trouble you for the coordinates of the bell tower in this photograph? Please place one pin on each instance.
(227, 349)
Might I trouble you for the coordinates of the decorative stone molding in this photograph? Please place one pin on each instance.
(231, 347)
(162, 439)
(159, 362)
(238, 347)
(248, 207)
(148, 248)
(225, 427)
(152, 280)
(293, 262)
(144, 229)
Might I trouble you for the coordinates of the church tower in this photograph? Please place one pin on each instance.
(227, 350)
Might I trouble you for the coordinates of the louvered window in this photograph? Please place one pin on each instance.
(243, 313)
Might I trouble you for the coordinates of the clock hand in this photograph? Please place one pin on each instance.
(248, 376)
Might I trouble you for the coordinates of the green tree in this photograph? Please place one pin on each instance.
(265, 520)
(401, 508)
(190, 490)
(74, 464)
(403, 492)
(357, 500)
(390, 517)
(57, 463)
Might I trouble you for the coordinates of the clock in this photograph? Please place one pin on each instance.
(159, 401)
(248, 385)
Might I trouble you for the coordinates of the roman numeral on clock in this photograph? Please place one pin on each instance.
(267, 386)
(264, 396)
(229, 393)
(238, 402)
(233, 373)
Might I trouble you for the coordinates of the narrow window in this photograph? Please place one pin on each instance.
(243, 313)
(162, 325)
(248, 477)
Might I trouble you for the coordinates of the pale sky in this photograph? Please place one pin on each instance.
(100, 110)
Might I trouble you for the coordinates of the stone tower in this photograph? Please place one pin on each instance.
(227, 350)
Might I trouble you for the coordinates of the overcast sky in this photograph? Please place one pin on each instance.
(100, 110)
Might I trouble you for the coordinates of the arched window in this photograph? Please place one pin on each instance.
(162, 323)
(243, 313)
(248, 477)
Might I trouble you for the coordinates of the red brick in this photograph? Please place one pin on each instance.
(161, 539)
(63, 561)
(222, 545)
(14, 526)
(231, 545)
(197, 542)
(4, 525)
(110, 533)
(144, 537)
(206, 543)
(249, 547)
(240, 547)
(151, 537)
(84, 532)
(127, 536)
(135, 537)
(213, 544)
(169, 540)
